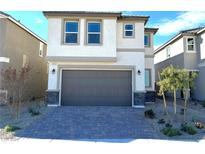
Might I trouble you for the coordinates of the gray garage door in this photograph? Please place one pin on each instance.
(96, 88)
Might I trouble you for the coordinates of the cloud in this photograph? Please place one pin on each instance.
(185, 20)
(38, 21)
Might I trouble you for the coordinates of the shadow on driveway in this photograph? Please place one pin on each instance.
(108, 124)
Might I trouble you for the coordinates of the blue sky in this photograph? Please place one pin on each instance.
(168, 22)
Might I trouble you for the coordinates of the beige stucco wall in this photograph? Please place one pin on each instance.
(18, 42)
(136, 42)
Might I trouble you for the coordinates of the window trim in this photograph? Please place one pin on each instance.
(149, 40)
(41, 51)
(133, 30)
(64, 32)
(194, 44)
(168, 56)
(150, 77)
(101, 32)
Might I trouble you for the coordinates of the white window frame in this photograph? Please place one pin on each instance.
(41, 49)
(149, 40)
(71, 32)
(100, 33)
(187, 44)
(168, 52)
(150, 77)
(133, 30)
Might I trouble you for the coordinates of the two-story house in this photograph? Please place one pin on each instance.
(19, 46)
(100, 59)
(185, 50)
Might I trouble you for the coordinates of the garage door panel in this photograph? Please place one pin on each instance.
(96, 87)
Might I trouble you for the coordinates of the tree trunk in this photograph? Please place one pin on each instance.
(164, 98)
(185, 103)
(175, 103)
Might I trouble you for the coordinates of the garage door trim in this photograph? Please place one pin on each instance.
(90, 69)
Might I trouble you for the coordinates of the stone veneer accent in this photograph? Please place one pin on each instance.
(139, 98)
(52, 97)
(150, 96)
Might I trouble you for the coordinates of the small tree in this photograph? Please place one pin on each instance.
(187, 82)
(14, 82)
(162, 89)
(170, 82)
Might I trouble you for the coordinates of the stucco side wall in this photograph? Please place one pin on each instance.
(199, 91)
(2, 36)
(18, 42)
(176, 48)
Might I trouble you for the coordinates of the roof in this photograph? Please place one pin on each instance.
(4, 15)
(193, 31)
(154, 30)
(119, 15)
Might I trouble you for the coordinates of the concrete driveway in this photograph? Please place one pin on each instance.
(90, 123)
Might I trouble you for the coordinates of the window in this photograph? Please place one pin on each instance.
(41, 49)
(25, 61)
(147, 77)
(168, 51)
(129, 30)
(147, 40)
(190, 44)
(71, 32)
(93, 32)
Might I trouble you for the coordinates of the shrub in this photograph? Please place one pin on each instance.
(188, 129)
(10, 128)
(199, 125)
(33, 112)
(168, 125)
(161, 121)
(169, 131)
(149, 114)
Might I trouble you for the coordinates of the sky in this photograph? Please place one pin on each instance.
(169, 22)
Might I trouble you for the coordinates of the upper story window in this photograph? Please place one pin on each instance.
(168, 53)
(41, 49)
(190, 44)
(147, 40)
(94, 33)
(71, 32)
(129, 30)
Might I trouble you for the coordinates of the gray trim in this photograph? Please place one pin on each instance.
(81, 59)
(149, 56)
(82, 13)
(130, 49)
(152, 30)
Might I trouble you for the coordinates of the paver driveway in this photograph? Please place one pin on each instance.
(91, 123)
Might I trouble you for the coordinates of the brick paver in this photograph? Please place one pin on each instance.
(91, 123)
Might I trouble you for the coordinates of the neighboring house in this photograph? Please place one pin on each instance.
(99, 58)
(185, 50)
(18, 47)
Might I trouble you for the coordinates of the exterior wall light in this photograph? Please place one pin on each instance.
(138, 72)
(53, 70)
